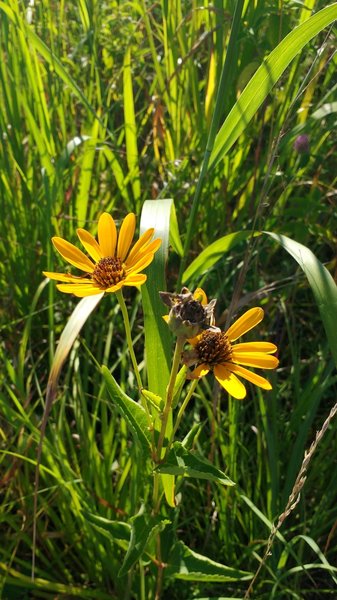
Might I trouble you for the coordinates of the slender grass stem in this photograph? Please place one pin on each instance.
(122, 304)
(181, 411)
(169, 397)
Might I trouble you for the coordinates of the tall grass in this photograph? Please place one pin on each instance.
(104, 105)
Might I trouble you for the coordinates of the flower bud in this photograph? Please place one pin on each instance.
(301, 144)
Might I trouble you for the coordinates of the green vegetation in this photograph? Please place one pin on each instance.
(229, 108)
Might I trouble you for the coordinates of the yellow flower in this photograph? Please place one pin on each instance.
(214, 351)
(112, 264)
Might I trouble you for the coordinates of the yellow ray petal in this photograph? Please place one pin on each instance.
(73, 255)
(193, 341)
(143, 240)
(115, 287)
(141, 264)
(245, 323)
(200, 296)
(137, 279)
(255, 359)
(199, 371)
(67, 277)
(125, 236)
(107, 234)
(266, 347)
(90, 244)
(249, 375)
(229, 382)
(148, 249)
(79, 290)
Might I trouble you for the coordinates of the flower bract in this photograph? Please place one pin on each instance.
(112, 264)
(214, 351)
(189, 313)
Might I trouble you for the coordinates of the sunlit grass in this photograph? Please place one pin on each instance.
(103, 107)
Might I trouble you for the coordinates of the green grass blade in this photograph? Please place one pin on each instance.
(214, 252)
(321, 282)
(265, 78)
(130, 127)
(158, 341)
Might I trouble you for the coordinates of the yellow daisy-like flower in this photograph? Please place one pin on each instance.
(214, 351)
(111, 264)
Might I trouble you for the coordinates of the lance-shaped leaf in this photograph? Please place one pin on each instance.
(143, 528)
(214, 252)
(133, 413)
(117, 532)
(186, 564)
(181, 461)
(321, 282)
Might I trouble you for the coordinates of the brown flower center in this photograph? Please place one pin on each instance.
(213, 348)
(108, 272)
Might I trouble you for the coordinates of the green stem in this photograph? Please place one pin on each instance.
(181, 411)
(222, 93)
(169, 395)
(121, 301)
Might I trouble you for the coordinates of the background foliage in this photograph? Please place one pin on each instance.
(105, 105)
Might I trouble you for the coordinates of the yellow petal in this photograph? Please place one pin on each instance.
(90, 244)
(66, 277)
(249, 375)
(245, 323)
(79, 290)
(115, 287)
(73, 255)
(141, 264)
(266, 347)
(255, 359)
(107, 235)
(125, 236)
(135, 279)
(200, 296)
(229, 382)
(148, 249)
(193, 341)
(199, 371)
(143, 240)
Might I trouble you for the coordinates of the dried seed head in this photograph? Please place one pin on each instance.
(188, 316)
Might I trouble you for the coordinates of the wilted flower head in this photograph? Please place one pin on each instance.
(190, 313)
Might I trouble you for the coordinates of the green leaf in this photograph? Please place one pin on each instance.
(192, 435)
(116, 531)
(155, 400)
(87, 166)
(321, 282)
(130, 126)
(174, 233)
(181, 461)
(214, 252)
(158, 340)
(265, 78)
(133, 413)
(186, 564)
(143, 528)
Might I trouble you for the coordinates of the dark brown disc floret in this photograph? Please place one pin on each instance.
(108, 271)
(213, 348)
